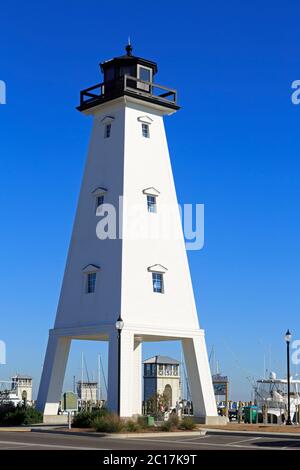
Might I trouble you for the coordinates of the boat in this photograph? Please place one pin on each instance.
(271, 399)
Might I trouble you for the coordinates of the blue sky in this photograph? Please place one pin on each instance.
(234, 147)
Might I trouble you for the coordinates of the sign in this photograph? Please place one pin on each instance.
(69, 401)
(220, 388)
(220, 383)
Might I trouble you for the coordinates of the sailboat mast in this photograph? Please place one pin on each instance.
(98, 372)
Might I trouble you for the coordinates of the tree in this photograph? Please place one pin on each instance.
(157, 404)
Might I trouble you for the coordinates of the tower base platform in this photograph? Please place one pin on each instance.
(211, 420)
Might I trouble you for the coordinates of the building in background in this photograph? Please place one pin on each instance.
(21, 386)
(87, 392)
(162, 376)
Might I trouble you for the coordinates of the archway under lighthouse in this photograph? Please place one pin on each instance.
(87, 363)
(195, 357)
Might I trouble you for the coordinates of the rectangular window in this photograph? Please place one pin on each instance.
(100, 201)
(107, 131)
(145, 74)
(151, 203)
(145, 130)
(91, 283)
(157, 282)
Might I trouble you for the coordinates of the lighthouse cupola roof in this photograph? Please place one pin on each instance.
(128, 64)
(128, 75)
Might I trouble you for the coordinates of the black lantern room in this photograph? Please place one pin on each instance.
(115, 69)
(128, 75)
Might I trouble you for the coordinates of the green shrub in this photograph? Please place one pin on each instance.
(142, 422)
(84, 419)
(170, 425)
(108, 423)
(187, 424)
(5, 409)
(15, 416)
(174, 420)
(32, 416)
(166, 426)
(132, 426)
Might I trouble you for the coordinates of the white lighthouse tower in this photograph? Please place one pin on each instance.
(136, 270)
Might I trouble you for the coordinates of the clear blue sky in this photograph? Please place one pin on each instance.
(234, 146)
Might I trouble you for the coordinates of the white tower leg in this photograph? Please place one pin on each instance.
(199, 377)
(112, 385)
(53, 374)
(131, 393)
(137, 378)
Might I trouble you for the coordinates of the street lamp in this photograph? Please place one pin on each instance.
(288, 338)
(119, 327)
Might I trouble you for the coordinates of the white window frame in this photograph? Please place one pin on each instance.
(99, 192)
(162, 284)
(152, 192)
(144, 86)
(99, 204)
(87, 271)
(91, 283)
(145, 130)
(107, 121)
(107, 130)
(151, 205)
(158, 269)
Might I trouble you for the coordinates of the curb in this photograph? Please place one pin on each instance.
(136, 435)
(252, 433)
(13, 429)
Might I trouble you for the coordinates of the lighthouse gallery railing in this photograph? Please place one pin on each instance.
(130, 84)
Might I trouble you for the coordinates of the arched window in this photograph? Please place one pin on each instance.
(168, 394)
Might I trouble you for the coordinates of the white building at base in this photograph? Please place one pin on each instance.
(21, 385)
(162, 376)
(87, 392)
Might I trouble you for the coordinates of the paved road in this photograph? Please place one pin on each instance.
(43, 441)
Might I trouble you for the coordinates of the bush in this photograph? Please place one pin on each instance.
(166, 426)
(84, 419)
(187, 424)
(132, 426)
(170, 425)
(142, 422)
(32, 416)
(174, 420)
(108, 423)
(15, 416)
(5, 409)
